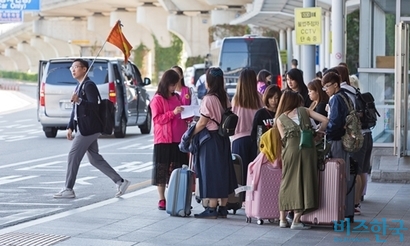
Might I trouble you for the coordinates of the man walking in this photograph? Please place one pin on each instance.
(84, 119)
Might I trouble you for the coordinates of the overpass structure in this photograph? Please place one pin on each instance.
(80, 27)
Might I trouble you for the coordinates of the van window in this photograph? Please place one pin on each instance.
(59, 73)
(198, 73)
(256, 53)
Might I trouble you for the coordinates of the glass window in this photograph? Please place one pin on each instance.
(59, 73)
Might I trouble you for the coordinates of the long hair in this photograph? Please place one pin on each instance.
(247, 95)
(169, 78)
(316, 85)
(262, 75)
(344, 73)
(180, 72)
(270, 92)
(288, 101)
(216, 84)
(296, 75)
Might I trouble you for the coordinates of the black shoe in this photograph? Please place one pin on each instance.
(207, 214)
(222, 212)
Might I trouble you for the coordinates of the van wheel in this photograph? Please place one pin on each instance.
(120, 131)
(146, 127)
(50, 132)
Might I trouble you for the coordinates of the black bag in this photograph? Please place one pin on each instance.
(106, 114)
(365, 108)
(229, 120)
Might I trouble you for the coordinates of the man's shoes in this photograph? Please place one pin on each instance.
(122, 187)
(65, 193)
(209, 213)
(299, 226)
(162, 204)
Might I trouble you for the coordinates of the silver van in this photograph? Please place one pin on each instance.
(119, 82)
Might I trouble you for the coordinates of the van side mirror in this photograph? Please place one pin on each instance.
(147, 81)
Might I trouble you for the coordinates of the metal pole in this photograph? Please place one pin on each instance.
(338, 33)
(308, 64)
(92, 63)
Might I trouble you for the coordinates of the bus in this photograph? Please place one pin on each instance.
(232, 54)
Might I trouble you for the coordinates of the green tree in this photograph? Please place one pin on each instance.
(166, 57)
(352, 42)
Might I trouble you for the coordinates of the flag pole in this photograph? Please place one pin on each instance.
(93, 61)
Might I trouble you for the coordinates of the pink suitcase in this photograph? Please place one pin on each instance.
(332, 194)
(261, 202)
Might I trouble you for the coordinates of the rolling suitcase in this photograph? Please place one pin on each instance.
(332, 195)
(179, 194)
(235, 201)
(262, 201)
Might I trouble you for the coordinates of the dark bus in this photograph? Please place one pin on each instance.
(255, 52)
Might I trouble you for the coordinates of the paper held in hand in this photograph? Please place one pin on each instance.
(190, 111)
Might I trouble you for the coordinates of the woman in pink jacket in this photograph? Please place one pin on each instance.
(168, 130)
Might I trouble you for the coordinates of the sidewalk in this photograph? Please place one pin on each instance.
(135, 220)
(11, 101)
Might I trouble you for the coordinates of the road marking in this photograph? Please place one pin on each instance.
(37, 187)
(32, 204)
(134, 166)
(84, 198)
(27, 214)
(14, 178)
(23, 120)
(149, 146)
(39, 166)
(78, 181)
(130, 146)
(57, 156)
(19, 138)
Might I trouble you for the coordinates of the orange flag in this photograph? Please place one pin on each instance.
(118, 39)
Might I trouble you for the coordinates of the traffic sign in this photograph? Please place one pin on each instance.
(20, 5)
(11, 16)
(308, 26)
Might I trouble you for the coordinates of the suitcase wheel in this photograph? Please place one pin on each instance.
(272, 220)
(259, 222)
(248, 220)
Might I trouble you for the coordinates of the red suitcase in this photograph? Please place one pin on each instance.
(332, 194)
(262, 200)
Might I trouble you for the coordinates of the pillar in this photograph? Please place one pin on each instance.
(193, 30)
(308, 64)
(289, 46)
(32, 54)
(338, 32)
(46, 49)
(63, 48)
(7, 63)
(21, 59)
(327, 40)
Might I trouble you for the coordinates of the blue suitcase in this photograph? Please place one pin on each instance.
(179, 194)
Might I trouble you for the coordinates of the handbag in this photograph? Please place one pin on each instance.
(306, 132)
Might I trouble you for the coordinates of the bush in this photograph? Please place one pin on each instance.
(18, 75)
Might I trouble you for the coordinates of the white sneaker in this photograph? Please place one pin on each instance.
(299, 226)
(65, 193)
(122, 187)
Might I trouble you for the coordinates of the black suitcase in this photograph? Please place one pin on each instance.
(235, 201)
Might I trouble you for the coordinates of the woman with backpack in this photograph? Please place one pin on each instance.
(214, 166)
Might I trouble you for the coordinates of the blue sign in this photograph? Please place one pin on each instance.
(20, 5)
(11, 16)
(317, 55)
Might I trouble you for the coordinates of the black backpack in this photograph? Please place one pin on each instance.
(229, 120)
(365, 108)
(106, 115)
